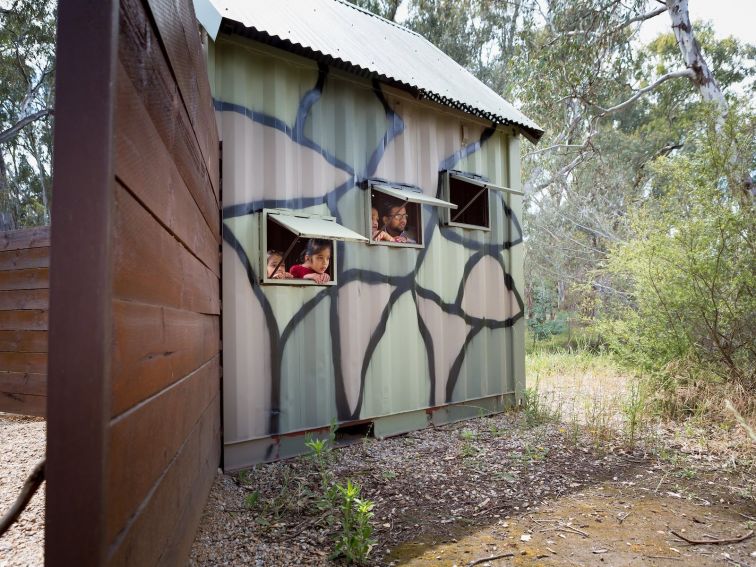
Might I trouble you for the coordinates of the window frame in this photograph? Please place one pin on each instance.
(472, 179)
(265, 215)
(412, 195)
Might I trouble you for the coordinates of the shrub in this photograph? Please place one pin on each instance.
(691, 268)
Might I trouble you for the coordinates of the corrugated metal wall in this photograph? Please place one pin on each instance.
(404, 329)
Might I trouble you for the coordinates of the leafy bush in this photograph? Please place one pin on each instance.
(691, 269)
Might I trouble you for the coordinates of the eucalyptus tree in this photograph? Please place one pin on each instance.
(27, 69)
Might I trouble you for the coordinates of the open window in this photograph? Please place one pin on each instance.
(395, 213)
(286, 234)
(470, 194)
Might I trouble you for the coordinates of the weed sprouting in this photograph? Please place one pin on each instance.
(354, 540)
(341, 503)
(634, 410)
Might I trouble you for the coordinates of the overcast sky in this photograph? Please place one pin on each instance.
(730, 17)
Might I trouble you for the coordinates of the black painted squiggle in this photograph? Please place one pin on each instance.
(272, 324)
(402, 283)
(457, 365)
(278, 124)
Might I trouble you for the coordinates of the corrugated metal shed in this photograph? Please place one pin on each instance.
(348, 37)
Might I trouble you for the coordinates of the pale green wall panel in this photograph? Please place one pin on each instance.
(403, 329)
(397, 378)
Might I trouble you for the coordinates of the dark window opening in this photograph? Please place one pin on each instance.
(472, 203)
(286, 250)
(394, 221)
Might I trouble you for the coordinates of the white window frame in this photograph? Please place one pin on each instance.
(485, 186)
(264, 216)
(408, 194)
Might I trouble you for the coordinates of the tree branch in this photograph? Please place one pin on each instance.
(641, 18)
(664, 78)
(11, 132)
(554, 147)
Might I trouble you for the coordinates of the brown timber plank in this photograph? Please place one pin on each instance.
(155, 537)
(23, 383)
(32, 278)
(23, 341)
(29, 320)
(23, 404)
(32, 362)
(136, 461)
(25, 238)
(155, 346)
(141, 56)
(25, 258)
(177, 27)
(144, 165)
(151, 266)
(19, 299)
(80, 334)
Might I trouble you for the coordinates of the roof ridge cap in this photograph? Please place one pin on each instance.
(371, 14)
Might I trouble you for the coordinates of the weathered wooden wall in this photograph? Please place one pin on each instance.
(24, 300)
(134, 436)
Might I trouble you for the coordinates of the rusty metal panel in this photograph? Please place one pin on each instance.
(403, 329)
(346, 36)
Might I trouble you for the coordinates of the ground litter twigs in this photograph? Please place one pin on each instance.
(493, 557)
(712, 541)
(31, 485)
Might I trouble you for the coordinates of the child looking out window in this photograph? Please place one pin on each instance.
(275, 268)
(317, 257)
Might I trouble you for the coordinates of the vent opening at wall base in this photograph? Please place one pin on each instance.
(353, 432)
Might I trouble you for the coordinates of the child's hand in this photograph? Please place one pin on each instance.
(279, 275)
(383, 235)
(288, 276)
(318, 278)
(402, 239)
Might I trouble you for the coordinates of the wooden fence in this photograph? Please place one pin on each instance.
(24, 300)
(134, 404)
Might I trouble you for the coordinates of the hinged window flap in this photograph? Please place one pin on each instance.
(316, 228)
(411, 196)
(481, 183)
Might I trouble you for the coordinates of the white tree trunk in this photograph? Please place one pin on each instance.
(702, 76)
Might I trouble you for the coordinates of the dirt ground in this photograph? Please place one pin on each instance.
(534, 494)
(583, 476)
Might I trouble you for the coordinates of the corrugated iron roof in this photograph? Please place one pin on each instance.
(348, 37)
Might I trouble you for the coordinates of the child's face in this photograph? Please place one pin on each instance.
(272, 263)
(320, 260)
(374, 219)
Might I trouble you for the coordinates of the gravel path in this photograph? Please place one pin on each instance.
(22, 445)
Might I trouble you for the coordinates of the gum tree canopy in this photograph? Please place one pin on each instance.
(27, 72)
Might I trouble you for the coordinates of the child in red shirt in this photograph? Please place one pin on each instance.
(317, 257)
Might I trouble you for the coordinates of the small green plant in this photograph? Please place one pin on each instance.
(634, 408)
(252, 499)
(467, 435)
(243, 477)
(687, 474)
(354, 540)
(388, 475)
(497, 431)
(537, 408)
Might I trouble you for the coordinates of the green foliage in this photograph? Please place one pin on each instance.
(354, 540)
(538, 409)
(634, 410)
(691, 267)
(27, 69)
